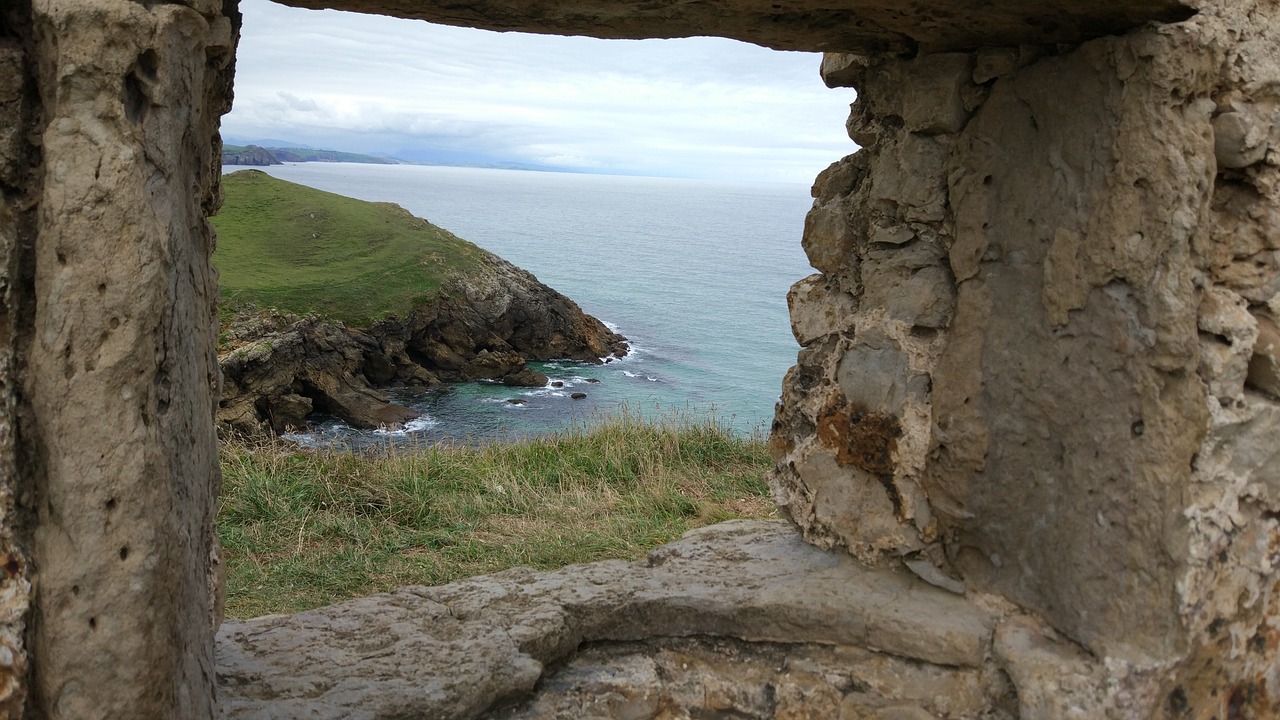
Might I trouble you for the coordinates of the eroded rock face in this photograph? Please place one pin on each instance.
(19, 188)
(1065, 275)
(891, 26)
(113, 371)
(278, 369)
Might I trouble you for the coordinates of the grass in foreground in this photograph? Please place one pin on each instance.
(301, 529)
(304, 251)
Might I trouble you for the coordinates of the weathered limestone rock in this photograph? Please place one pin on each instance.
(1264, 364)
(716, 677)
(287, 367)
(18, 189)
(108, 362)
(891, 26)
(1065, 272)
(455, 651)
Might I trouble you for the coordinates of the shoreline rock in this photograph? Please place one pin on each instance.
(279, 368)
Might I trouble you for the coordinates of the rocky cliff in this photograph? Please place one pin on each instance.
(279, 368)
(327, 299)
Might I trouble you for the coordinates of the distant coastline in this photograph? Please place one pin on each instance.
(256, 155)
(265, 153)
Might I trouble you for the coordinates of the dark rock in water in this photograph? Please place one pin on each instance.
(516, 401)
(578, 395)
(557, 384)
(593, 381)
(525, 377)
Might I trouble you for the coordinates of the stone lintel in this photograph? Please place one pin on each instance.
(869, 26)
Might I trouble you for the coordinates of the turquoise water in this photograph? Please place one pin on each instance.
(695, 273)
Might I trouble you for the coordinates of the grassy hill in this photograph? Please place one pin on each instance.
(301, 250)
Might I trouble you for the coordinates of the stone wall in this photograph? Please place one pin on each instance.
(1039, 357)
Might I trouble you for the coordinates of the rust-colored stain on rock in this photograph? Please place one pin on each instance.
(860, 437)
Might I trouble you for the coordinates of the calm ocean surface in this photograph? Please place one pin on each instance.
(695, 273)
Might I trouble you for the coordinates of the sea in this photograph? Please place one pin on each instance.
(694, 273)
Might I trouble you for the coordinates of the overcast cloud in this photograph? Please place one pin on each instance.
(699, 107)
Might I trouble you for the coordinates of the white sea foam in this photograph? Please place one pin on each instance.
(305, 440)
(417, 424)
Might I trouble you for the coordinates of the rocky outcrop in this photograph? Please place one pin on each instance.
(283, 368)
(1039, 354)
(249, 155)
(278, 369)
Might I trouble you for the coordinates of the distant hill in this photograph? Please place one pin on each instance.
(295, 154)
(247, 155)
(261, 156)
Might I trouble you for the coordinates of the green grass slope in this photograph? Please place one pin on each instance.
(301, 529)
(301, 250)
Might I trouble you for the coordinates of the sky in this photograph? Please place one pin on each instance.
(698, 107)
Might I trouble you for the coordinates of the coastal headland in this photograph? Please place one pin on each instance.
(327, 300)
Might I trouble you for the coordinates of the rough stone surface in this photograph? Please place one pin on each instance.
(457, 650)
(120, 379)
(719, 677)
(18, 189)
(894, 26)
(1060, 373)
